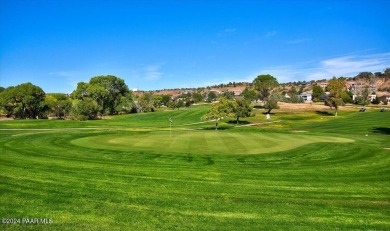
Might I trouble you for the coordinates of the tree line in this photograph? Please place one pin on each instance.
(109, 95)
(102, 95)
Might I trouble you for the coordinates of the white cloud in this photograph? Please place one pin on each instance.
(152, 72)
(347, 66)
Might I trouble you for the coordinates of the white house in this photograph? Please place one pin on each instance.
(306, 96)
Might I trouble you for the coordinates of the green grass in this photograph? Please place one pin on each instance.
(131, 173)
(202, 142)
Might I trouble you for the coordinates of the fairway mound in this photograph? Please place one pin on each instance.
(203, 142)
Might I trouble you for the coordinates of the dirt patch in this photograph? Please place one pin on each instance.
(300, 107)
(5, 118)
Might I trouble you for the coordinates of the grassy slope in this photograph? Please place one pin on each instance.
(323, 186)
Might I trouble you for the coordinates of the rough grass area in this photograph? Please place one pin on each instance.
(130, 173)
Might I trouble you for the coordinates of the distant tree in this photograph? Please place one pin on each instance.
(23, 101)
(364, 75)
(211, 96)
(86, 109)
(378, 74)
(336, 87)
(301, 89)
(101, 96)
(157, 101)
(179, 104)
(224, 108)
(228, 95)
(114, 88)
(172, 104)
(197, 96)
(2, 89)
(107, 91)
(81, 91)
(347, 97)
(249, 94)
(165, 99)
(294, 97)
(264, 84)
(364, 96)
(317, 92)
(376, 101)
(126, 104)
(241, 109)
(188, 102)
(146, 102)
(386, 72)
(58, 104)
(271, 103)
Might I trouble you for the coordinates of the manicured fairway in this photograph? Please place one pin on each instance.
(203, 142)
(307, 172)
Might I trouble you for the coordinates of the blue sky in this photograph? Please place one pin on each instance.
(170, 44)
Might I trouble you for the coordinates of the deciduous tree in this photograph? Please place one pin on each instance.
(317, 92)
(271, 103)
(23, 101)
(59, 105)
(241, 109)
(336, 87)
(264, 84)
(224, 108)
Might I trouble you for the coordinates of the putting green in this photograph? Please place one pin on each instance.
(203, 142)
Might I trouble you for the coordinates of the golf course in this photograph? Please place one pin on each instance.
(301, 170)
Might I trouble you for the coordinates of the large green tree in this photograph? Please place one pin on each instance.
(224, 108)
(272, 103)
(241, 108)
(336, 90)
(249, 94)
(146, 102)
(86, 109)
(107, 91)
(59, 105)
(317, 92)
(264, 84)
(114, 88)
(23, 101)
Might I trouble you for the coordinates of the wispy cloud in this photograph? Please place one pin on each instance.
(152, 72)
(347, 66)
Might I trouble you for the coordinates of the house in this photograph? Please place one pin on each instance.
(306, 96)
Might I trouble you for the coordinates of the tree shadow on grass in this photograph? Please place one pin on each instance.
(324, 113)
(240, 122)
(385, 131)
(219, 128)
